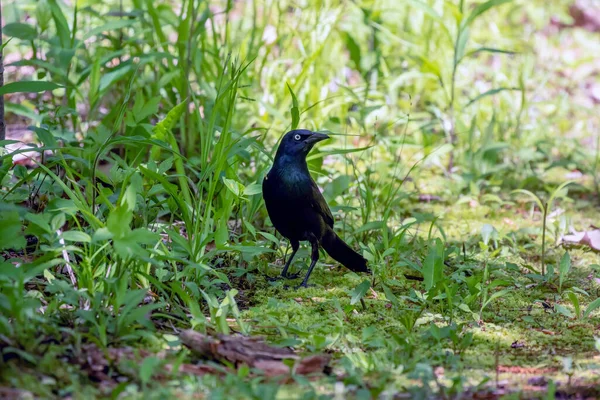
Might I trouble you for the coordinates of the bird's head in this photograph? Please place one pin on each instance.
(300, 142)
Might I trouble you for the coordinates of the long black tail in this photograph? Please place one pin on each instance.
(342, 253)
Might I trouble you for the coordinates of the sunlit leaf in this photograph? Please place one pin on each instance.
(360, 291)
(28, 87)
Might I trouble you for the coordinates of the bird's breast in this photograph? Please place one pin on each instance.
(292, 183)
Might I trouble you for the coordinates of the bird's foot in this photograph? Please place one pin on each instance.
(292, 276)
(280, 277)
(304, 285)
(273, 278)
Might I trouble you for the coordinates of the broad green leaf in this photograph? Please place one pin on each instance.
(591, 307)
(113, 76)
(575, 301)
(270, 237)
(233, 186)
(20, 31)
(565, 266)
(28, 87)
(360, 291)
(390, 295)
(369, 226)
(76, 236)
(563, 310)
(129, 198)
(41, 220)
(252, 189)
(118, 221)
(11, 233)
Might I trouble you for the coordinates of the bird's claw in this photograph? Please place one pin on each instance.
(291, 276)
(280, 277)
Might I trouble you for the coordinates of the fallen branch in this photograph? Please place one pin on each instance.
(253, 352)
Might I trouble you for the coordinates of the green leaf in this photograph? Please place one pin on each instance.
(129, 198)
(370, 226)
(532, 197)
(233, 186)
(252, 189)
(482, 8)
(591, 307)
(559, 308)
(565, 266)
(76, 236)
(41, 220)
(490, 92)
(461, 44)
(558, 193)
(28, 87)
(490, 50)
(11, 234)
(360, 291)
(390, 295)
(118, 221)
(20, 31)
(62, 27)
(108, 78)
(494, 296)
(162, 130)
(575, 301)
(294, 110)
(148, 367)
(109, 26)
(354, 50)
(433, 265)
(338, 186)
(270, 237)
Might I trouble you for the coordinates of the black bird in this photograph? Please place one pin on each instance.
(297, 207)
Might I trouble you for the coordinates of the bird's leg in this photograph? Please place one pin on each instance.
(314, 257)
(284, 272)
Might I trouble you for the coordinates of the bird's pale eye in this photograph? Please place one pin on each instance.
(297, 137)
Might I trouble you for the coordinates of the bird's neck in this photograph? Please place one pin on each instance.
(290, 161)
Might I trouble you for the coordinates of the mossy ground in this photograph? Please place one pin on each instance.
(519, 337)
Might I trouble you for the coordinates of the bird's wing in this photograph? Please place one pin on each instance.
(318, 203)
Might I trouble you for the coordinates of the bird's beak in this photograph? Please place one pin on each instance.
(316, 137)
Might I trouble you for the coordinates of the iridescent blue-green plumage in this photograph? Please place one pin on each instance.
(297, 208)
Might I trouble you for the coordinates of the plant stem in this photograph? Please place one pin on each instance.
(545, 211)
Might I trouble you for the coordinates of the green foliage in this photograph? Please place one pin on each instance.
(136, 211)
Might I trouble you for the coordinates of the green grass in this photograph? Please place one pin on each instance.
(141, 215)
